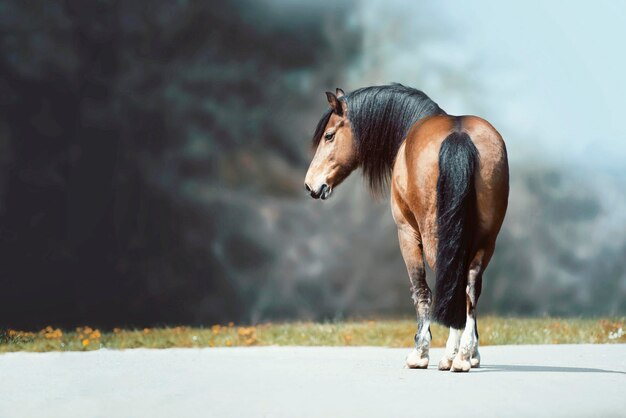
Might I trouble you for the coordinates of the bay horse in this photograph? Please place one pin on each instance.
(449, 181)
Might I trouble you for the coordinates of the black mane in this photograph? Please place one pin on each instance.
(380, 117)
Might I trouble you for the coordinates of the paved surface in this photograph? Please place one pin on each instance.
(538, 381)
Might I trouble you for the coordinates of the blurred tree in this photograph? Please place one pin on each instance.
(124, 126)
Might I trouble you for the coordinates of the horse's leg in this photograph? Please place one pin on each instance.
(475, 355)
(421, 295)
(452, 347)
(468, 346)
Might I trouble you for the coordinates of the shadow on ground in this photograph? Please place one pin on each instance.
(542, 369)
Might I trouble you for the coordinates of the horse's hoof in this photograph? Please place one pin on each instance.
(459, 365)
(445, 364)
(415, 361)
(475, 360)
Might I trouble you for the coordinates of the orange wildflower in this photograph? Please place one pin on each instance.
(247, 335)
(51, 333)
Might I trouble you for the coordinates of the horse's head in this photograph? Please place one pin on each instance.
(336, 154)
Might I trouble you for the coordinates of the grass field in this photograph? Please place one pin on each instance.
(390, 333)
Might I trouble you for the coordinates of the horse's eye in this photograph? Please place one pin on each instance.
(329, 136)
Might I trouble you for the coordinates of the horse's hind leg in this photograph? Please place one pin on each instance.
(452, 347)
(475, 355)
(421, 295)
(468, 355)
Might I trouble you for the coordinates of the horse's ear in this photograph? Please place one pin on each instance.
(341, 97)
(334, 103)
(340, 107)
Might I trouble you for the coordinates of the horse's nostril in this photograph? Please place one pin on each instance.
(306, 187)
(324, 191)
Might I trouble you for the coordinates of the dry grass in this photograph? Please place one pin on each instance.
(392, 333)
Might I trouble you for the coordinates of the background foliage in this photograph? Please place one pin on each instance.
(151, 164)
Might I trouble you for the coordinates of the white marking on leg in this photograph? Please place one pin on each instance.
(468, 339)
(419, 358)
(423, 339)
(452, 347)
(475, 355)
(461, 362)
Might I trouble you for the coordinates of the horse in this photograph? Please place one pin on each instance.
(449, 184)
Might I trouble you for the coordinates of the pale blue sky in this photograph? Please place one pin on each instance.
(549, 75)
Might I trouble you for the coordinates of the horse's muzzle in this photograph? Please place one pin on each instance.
(323, 192)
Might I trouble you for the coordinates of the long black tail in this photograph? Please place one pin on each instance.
(456, 219)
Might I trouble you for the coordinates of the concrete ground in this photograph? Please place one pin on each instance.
(514, 381)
